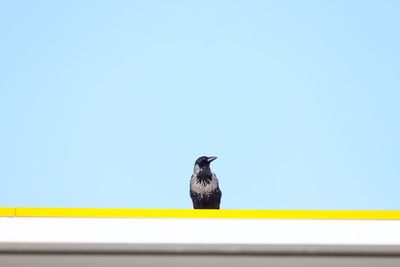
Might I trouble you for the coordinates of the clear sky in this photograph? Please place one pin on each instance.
(109, 103)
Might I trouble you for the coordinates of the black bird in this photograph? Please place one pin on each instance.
(204, 188)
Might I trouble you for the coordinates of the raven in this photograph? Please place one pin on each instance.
(204, 188)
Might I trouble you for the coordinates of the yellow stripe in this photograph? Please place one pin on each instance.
(7, 212)
(189, 213)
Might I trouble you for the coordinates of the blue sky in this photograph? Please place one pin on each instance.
(109, 103)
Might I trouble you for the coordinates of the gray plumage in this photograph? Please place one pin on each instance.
(204, 187)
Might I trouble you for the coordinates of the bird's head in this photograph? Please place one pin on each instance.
(203, 163)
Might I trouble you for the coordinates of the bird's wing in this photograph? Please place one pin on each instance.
(216, 198)
(196, 199)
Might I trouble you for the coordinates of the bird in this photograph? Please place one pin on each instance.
(204, 187)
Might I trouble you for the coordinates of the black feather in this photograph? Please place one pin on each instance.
(209, 201)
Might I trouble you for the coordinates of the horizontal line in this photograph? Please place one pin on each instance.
(203, 249)
(190, 213)
(7, 212)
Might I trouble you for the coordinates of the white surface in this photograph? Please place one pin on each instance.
(200, 231)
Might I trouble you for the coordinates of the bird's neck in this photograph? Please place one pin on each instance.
(204, 174)
(198, 169)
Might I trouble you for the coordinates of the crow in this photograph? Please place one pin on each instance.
(204, 188)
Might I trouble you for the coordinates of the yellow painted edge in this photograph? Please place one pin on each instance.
(190, 213)
(7, 212)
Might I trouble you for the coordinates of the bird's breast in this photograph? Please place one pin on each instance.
(201, 186)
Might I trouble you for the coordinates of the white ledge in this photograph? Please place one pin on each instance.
(199, 231)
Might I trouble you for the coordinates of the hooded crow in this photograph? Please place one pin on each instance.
(204, 188)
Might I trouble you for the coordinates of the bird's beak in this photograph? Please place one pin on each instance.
(209, 159)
